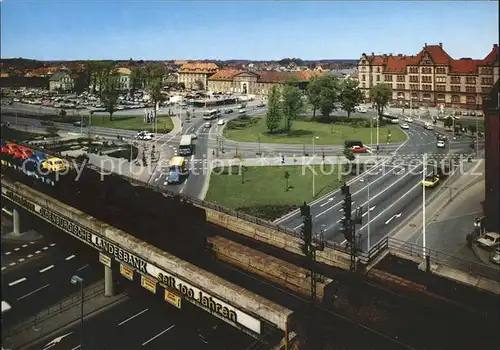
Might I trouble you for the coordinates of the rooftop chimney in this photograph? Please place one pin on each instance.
(425, 45)
(441, 45)
(373, 53)
(495, 46)
(390, 54)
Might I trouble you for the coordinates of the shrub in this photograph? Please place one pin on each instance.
(267, 212)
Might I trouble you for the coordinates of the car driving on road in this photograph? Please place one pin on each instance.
(207, 125)
(221, 122)
(405, 126)
(144, 135)
(441, 144)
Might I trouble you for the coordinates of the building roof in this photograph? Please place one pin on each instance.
(58, 76)
(225, 74)
(123, 71)
(398, 63)
(199, 67)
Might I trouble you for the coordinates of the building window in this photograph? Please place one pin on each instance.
(389, 85)
(485, 90)
(440, 87)
(388, 77)
(414, 78)
(455, 88)
(427, 96)
(455, 80)
(427, 87)
(378, 69)
(455, 99)
(414, 96)
(378, 77)
(363, 85)
(470, 89)
(426, 70)
(440, 97)
(440, 70)
(471, 100)
(486, 81)
(414, 87)
(426, 79)
(441, 79)
(487, 71)
(401, 86)
(470, 80)
(363, 77)
(414, 70)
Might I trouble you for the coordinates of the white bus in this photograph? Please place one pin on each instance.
(210, 114)
(186, 147)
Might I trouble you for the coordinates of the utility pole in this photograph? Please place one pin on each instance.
(309, 247)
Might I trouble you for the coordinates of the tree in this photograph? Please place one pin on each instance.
(153, 75)
(472, 129)
(448, 122)
(381, 94)
(292, 104)
(52, 130)
(274, 112)
(350, 95)
(110, 97)
(314, 94)
(199, 85)
(349, 155)
(136, 78)
(287, 177)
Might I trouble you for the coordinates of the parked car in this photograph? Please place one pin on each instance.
(490, 240)
(495, 256)
(229, 110)
(55, 164)
(144, 135)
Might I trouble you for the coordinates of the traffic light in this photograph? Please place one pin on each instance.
(345, 220)
(344, 190)
(305, 212)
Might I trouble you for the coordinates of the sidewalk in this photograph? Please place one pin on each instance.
(294, 161)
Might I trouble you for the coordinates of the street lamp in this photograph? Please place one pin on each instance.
(78, 280)
(313, 161)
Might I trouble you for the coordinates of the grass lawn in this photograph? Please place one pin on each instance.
(303, 131)
(132, 123)
(263, 192)
(15, 135)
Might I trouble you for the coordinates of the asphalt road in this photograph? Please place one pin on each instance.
(395, 191)
(146, 322)
(36, 274)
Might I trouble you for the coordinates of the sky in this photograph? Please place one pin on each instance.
(254, 30)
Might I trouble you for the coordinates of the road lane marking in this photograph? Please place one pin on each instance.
(52, 244)
(16, 249)
(393, 217)
(21, 280)
(32, 242)
(8, 253)
(133, 316)
(21, 259)
(33, 292)
(70, 257)
(76, 347)
(24, 245)
(3, 268)
(45, 248)
(12, 264)
(379, 193)
(81, 268)
(159, 334)
(46, 269)
(38, 252)
(328, 201)
(393, 203)
(366, 212)
(30, 256)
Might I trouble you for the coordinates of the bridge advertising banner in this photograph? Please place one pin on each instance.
(168, 280)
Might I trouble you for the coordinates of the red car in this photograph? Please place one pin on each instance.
(22, 152)
(358, 149)
(10, 148)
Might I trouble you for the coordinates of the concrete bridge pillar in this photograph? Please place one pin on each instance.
(109, 289)
(16, 224)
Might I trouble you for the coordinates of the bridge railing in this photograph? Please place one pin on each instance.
(46, 314)
(445, 259)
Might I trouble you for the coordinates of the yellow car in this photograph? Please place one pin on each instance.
(431, 181)
(55, 164)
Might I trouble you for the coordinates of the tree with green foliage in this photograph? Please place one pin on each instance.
(324, 93)
(136, 78)
(381, 94)
(274, 112)
(292, 104)
(349, 154)
(314, 94)
(350, 95)
(153, 75)
(110, 97)
(448, 122)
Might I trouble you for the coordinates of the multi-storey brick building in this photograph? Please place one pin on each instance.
(432, 77)
(195, 75)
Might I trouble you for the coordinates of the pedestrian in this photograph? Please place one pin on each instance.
(282, 159)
